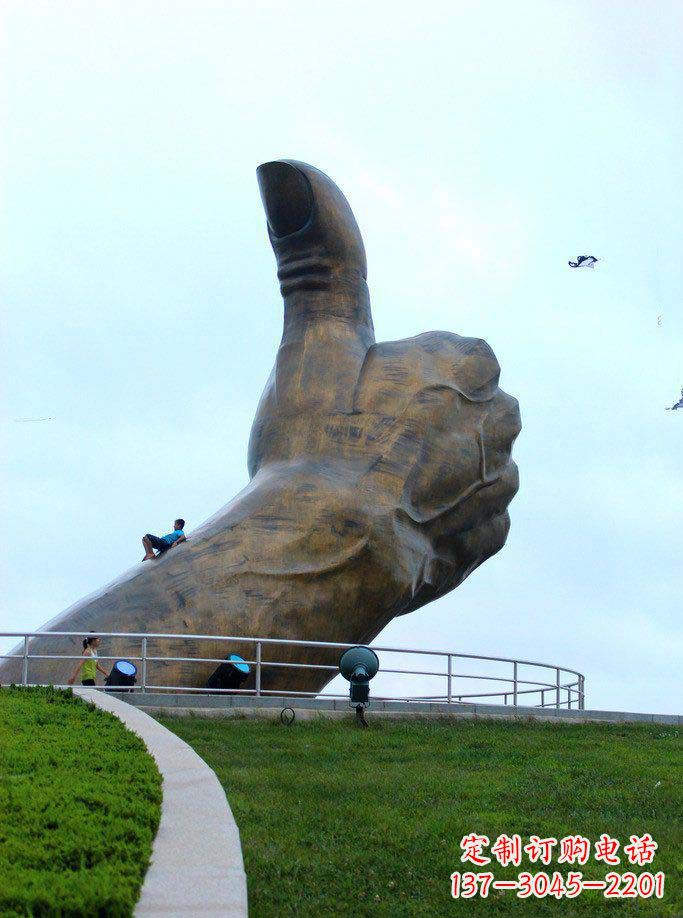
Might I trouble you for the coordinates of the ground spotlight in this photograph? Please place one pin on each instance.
(229, 675)
(359, 665)
(122, 676)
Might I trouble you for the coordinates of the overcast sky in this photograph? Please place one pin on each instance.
(481, 146)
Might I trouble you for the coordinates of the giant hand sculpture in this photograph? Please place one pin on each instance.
(380, 474)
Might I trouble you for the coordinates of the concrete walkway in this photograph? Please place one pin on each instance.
(197, 867)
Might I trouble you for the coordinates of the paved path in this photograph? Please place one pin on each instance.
(197, 866)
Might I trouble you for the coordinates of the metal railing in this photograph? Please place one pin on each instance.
(565, 689)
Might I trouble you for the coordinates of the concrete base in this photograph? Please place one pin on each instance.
(307, 708)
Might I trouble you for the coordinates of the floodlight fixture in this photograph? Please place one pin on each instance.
(122, 676)
(359, 665)
(231, 674)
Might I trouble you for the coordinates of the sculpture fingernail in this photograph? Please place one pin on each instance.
(286, 195)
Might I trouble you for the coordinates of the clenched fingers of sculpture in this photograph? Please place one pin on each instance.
(380, 474)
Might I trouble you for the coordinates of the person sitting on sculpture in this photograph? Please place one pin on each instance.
(163, 543)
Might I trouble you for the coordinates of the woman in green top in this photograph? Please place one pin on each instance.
(89, 665)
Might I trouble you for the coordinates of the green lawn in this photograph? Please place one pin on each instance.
(80, 801)
(340, 821)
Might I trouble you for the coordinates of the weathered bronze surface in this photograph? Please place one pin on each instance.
(380, 474)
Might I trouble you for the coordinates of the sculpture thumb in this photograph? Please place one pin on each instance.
(322, 271)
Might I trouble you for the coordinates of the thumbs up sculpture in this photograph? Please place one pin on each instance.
(380, 477)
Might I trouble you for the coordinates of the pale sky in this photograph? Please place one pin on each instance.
(481, 146)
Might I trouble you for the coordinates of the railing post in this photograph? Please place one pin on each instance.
(582, 700)
(450, 678)
(24, 666)
(557, 689)
(258, 667)
(514, 683)
(143, 654)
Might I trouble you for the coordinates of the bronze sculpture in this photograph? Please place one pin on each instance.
(380, 475)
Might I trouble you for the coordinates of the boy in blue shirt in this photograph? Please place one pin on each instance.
(163, 543)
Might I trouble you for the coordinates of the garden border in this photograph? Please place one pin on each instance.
(196, 866)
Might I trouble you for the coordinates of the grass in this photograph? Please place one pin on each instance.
(340, 821)
(80, 802)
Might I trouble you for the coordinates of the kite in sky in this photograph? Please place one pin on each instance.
(583, 261)
(679, 403)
